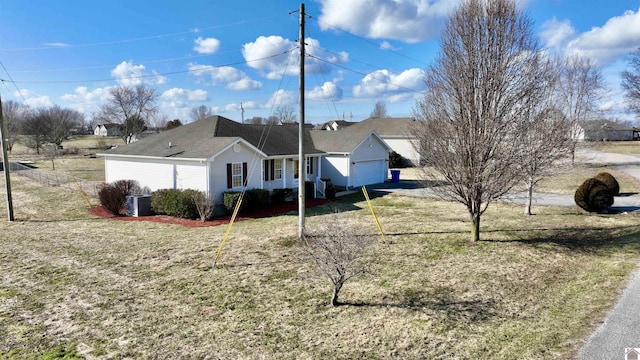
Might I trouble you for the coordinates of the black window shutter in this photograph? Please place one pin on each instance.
(311, 165)
(244, 174)
(273, 169)
(266, 170)
(229, 180)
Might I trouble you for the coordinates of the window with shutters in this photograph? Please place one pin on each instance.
(309, 165)
(236, 174)
(277, 169)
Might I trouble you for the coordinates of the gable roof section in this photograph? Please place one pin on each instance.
(343, 141)
(385, 127)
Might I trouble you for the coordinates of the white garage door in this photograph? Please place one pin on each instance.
(368, 172)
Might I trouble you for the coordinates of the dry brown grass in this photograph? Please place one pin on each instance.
(533, 288)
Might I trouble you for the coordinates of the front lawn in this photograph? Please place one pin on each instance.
(534, 288)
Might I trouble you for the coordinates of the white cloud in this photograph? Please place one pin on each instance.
(618, 36)
(385, 45)
(275, 57)
(178, 102)
(238, 107)
(128, 74)
(87, 101)
(207, 45)
(406, 20)
(32, 99)
(282, 97)
(386, 83)
(328, 91)
(235, 79)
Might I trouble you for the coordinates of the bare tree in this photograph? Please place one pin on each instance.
(379, 110)
(61, 121)
(14, 115)
(201, 112)
(546, 140)
(128, 106)
(631, 83)
(580, 90)
(204, 204)
(286, 114)
(257, 120)
(36, 128)
(338, 251)
(173, 124)
(481, 87)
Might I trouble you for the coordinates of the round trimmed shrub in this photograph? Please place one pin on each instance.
(174, 202)
(610, 182)
(600, 198)
(593, 196)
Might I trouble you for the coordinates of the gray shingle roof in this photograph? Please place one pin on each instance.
(205, 138)
(385, 126)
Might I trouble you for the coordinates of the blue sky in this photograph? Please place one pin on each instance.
(224, 53)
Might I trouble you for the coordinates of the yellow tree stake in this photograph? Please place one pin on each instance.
(226, 233)
(366, 196)
(82, 193)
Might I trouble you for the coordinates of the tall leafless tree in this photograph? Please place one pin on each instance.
(580, 90)
(14, 115)
(379, 110)
(631, 83)
(481, 87)
(286, 114)
(201, 112)
(127, 106)
(36, 128)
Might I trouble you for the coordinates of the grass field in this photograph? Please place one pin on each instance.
(74, 284)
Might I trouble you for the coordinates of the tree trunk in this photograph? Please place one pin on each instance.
(527, 205)
(475, 227)
(334, 297)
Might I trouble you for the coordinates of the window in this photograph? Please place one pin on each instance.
(277, 169)
(272, 169)
(236, 174)
(309, 165)
(295, 169)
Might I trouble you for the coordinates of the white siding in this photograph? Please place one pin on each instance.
(405, 148)
(150, 174)
(336, 168)
(218, 169)
(369, 162)
(191, 176)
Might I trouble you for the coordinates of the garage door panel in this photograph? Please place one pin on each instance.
(368, 172)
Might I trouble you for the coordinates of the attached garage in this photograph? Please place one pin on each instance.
(368, 172)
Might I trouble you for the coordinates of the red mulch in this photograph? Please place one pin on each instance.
(220, 220)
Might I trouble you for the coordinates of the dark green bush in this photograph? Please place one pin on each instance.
(610, 182)
(174, 202)
(113, 197)
(257, 199)
(396, 160)
(593, 196)
(230, 199)
(278, 196)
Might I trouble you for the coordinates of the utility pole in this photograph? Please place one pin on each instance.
(242, 111)
(302, 168)
(5, 165)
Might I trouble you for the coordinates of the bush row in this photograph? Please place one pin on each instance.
(596, 194)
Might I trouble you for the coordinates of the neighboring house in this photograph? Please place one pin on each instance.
(606, 130)
(216, 154)
(107, 130)
(334, 125)
(396, 132)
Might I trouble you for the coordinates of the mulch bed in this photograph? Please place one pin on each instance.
(219, 220)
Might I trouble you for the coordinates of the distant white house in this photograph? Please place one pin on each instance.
(107, 130)
(605, 130)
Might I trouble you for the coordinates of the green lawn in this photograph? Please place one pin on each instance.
(534, 287)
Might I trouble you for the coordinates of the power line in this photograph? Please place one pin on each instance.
(202, 68)
(372, 43)
(161, 36)
(13, 82)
